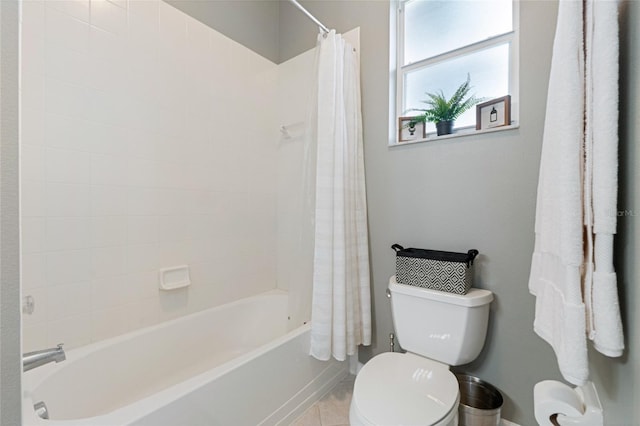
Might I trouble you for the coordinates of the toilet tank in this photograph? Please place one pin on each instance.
(446, 327)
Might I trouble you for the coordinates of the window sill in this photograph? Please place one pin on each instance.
(459, 133)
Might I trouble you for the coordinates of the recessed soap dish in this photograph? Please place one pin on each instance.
(174, 277)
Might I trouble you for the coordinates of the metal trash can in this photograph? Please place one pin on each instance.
(480, 402)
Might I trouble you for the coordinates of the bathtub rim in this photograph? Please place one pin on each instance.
(148, 404)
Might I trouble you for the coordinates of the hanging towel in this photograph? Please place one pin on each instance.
(572, 273)
(558, 255)
(341, 313)
(602, 131)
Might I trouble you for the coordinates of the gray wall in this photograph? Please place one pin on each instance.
(10, 359)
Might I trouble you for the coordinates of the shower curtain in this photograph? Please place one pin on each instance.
(341, 306)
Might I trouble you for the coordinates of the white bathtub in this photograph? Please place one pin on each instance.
(231, 365)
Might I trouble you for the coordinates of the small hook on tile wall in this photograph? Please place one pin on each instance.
(28, 305)
(285, 132)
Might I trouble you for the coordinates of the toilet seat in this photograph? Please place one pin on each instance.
(404, 389)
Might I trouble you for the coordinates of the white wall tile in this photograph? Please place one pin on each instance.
(68, 300)
(66, 132)
(34, 337)
(199, 251)
(72, 331)
(107, 107)
(65, 99)
(32, 35)
(107, 262)
(172, 228)
(107, 138)
(34, 269)
(32, 86)
(107, 292)
(31, 125)
(68, 65)
(140, 286)
(145, 9)
(108, 231)
(142, 172)
(67, 166)
(108, 323)
(107, 47)
(68, 266)
(142, 144)
(33, 233)
(106, 76)
(124, 4)
(143, 229)
(64, 30)
(172, 254)
(67, 233)
(172, 29)
(142, 258)
(143, 313)
(136, 156)
(199, 227)
(78, 9)
(107, 200)
(109, 16)
(108, 170)
(63, 199)
(143, 201)
(32, 157)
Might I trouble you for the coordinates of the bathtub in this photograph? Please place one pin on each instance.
(236, 364)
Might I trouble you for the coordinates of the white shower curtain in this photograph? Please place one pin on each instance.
(341, 307)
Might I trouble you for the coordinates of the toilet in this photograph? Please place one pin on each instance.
(438, 330)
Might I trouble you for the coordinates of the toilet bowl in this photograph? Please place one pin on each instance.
(437, 329)
(404, 389)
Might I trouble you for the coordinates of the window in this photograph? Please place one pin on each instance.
(440, 42)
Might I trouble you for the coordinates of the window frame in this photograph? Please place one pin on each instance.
(512, 38)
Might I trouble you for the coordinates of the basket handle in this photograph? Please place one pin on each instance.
(397, 247)
(472, 255)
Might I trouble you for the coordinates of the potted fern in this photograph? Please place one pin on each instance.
(442, 111)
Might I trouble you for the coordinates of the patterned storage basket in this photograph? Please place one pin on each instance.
(436, 270)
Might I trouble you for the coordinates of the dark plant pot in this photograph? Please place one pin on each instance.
(444, 127)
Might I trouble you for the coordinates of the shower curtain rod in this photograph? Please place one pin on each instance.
(310, 16)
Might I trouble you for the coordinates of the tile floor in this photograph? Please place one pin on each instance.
(332, 409)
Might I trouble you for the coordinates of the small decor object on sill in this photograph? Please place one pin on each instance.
(493, 113)
(435, 270)
(411, 128)
(443, 112)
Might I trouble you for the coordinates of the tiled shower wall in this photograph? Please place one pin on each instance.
(148, 141)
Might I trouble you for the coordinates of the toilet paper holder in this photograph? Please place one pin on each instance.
(558, 404)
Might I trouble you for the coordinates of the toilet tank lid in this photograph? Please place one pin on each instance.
(475, 296)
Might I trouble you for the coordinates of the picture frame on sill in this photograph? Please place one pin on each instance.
(410, 130)
(493, 113)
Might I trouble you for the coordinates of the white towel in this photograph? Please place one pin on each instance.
(602, 50)
(574, 279)
(558, 257)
